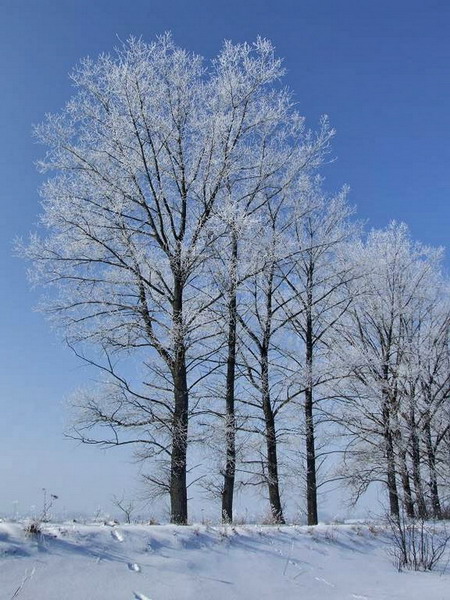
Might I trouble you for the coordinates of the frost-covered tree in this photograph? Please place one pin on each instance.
(317, 295)
(424, 388)
(242, 253)
(262, 322)
(143, 156)
(237, 257)
(434, 407)
(381, 389)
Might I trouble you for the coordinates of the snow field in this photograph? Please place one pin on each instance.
(71, 561)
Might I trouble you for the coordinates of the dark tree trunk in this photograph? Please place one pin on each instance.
(416, 474)
(418, 488)
(406, 483)
(311, 475)
(271, 444)
(391, 478)
(230, 418)
(178, 487)
(431, 459)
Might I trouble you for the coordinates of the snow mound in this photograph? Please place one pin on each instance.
(74, 561)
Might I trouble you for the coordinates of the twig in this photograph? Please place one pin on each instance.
(26, 577)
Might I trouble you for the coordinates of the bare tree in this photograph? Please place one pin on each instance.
(144, 154)
(317, 293)
(426, 387)
(262, 323)
(379, 414)
(125, 505)
(235, 260)
(435, 405)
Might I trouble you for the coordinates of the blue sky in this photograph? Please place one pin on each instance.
(378, 68)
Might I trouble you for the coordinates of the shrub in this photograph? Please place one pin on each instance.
(34, 528)
(417, 544)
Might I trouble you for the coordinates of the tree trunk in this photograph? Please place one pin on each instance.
(416, 474)
(311, 475)
(431, 459)
(271, 444)
(418, 487)
(391, 479)
(407, 493)
(178, 488)
(230, 418)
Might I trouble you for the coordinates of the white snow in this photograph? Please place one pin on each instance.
(72, 561)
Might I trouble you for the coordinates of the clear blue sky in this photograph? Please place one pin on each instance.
(378, 68)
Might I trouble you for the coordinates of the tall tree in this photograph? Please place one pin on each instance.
(426, 387)
(317, 282)
(381, 390)
(235, 261)
(262, 321)
(144, 153)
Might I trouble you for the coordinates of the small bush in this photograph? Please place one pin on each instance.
(33, 529)
(330, 534)
(417, 544)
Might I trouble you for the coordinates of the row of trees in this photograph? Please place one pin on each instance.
(396, 403)
(231, 304)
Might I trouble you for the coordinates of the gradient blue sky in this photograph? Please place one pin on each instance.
(378, 68)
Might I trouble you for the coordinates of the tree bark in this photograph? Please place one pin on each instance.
(431, 459)
(311, 475)
(271, 444)
(406, 483)
(391, 479)
(178, 484)
(230, 417)
(415, 455)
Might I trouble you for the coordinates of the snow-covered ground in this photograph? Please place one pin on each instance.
(136, 562)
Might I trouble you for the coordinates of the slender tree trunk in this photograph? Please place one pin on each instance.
(431, 459)
(390, 458)
(271, 444)
(230, 417)
(406, 483)
(311, 475)
(415, 455)
(418, 487)
(178, 487)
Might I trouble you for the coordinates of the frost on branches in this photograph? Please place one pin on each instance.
(396, 394)
(193, 258)
(143, 158)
